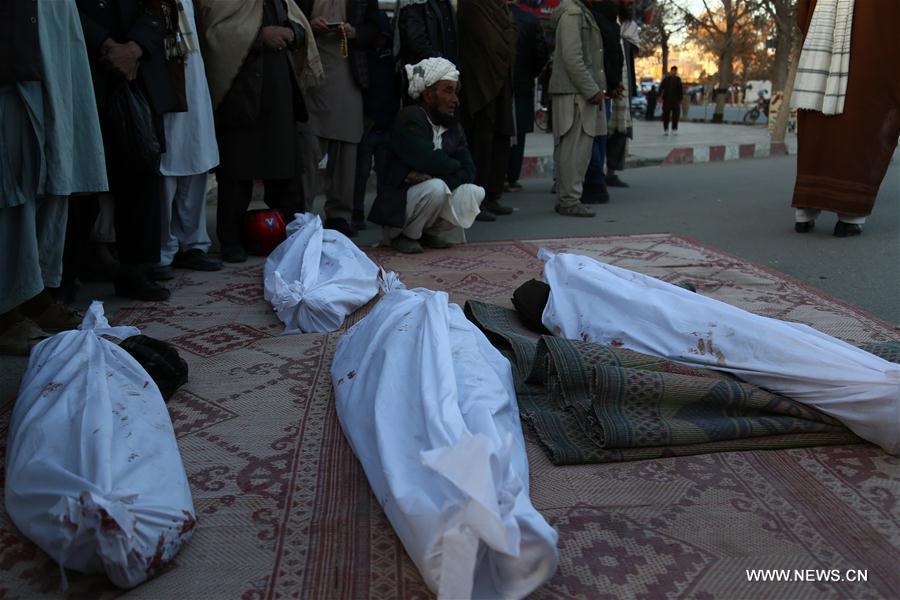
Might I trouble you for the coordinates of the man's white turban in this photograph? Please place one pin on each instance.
(427, 73)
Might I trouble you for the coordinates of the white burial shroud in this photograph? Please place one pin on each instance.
(429, 407)
(316, 277)
(93, 472)
(604, 304)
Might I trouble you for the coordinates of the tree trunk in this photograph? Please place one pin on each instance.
(784, 113)
(665, 59)
(725, 77)
(782, 58)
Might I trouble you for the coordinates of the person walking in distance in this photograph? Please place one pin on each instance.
(671, 92)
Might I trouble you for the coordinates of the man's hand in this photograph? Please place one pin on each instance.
(415, 177)
(320, 25)
(121, 58)
(277, 38)
(616, 93)
(597, 98)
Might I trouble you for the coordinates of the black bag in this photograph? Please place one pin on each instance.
(530, 299)
(131, 129)
(161, 360)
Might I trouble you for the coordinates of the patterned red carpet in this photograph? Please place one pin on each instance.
(285, 510)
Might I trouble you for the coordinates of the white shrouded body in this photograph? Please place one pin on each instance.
(316, 277)
(93, 472)
(429, 407)
(605, 304)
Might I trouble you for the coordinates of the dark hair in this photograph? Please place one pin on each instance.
(673, 69)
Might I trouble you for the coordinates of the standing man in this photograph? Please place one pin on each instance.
(345, 31)
(191, 151)
(847, 131)
(126, 46)
(487, 94)
(428, 198)
(425, 29)
(50, 147)
(578, 89)
(532, 55)
(671, 92)
(258, 54)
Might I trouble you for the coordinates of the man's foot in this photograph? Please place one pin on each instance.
(406, 245)
(485, 215)
(234, 254)
(666, 133)
(340, 225)
(57, 317)
(134, 283)
(804, 226)
(196, 260)
(594, 193)
(19, 338)
(614, 181)
(358, 220)
(495, 207)
(843, 230)
(161, 273)
(433, 241)
(513, 186)
(595, 196)
(576, 210)
(674, 132)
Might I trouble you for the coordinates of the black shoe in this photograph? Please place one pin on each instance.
(495, 207)
(406, 245)
(340, 225)
(163, 273)
(432, 241)
(486, 216)
(196, 260)
(513, 186)
(842, 229)
(614, 181)
(804, 226)
(594, 193)
(134, 283)
(234, 254)
(358, 220)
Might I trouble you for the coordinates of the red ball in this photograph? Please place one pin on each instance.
(264, 229)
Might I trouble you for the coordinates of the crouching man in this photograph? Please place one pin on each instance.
(428, 198)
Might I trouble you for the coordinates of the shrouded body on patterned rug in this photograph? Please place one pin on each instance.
(316, 277)
(608, 305)
(429, 408)
(93, 472)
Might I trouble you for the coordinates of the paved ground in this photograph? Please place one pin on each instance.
(649, 144)
(741, 207)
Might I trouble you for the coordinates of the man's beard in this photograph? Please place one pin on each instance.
(442, 119)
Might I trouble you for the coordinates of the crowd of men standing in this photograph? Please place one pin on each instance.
(262, 91)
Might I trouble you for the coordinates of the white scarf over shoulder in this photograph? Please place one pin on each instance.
(824, 67)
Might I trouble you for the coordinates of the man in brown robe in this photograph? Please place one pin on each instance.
(843, 158)
(487, 60)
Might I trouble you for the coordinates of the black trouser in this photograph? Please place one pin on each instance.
(516, 158)
(672, 111)
(235, 195)
(83, 212)
(138, 209)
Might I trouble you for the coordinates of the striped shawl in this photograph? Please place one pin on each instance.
(824, 67)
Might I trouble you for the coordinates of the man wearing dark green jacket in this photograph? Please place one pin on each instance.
(428, 198)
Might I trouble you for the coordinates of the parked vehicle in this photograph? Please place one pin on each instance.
(638, 105)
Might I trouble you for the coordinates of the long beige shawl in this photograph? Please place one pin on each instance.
(229, 28)
(824, 66)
